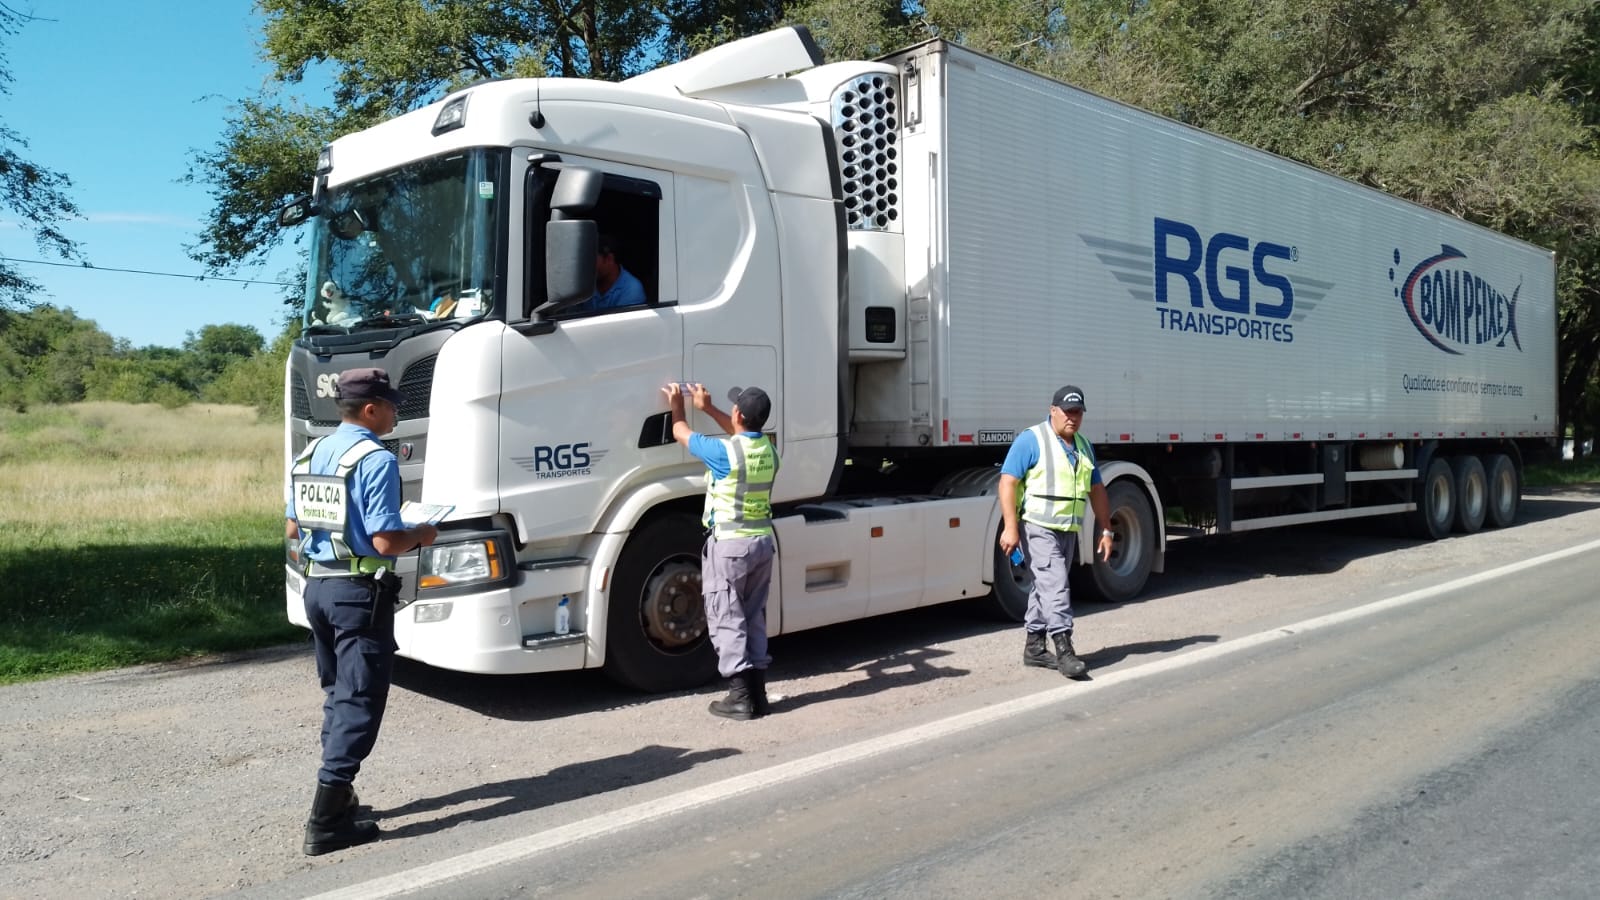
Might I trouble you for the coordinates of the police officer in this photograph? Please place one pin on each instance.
(1055, 467)
(345, 509)
(736, 559)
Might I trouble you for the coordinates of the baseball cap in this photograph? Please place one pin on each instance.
(368, 384)
(1069, 397)
(755, 406)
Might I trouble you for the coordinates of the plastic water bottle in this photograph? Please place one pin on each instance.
(563, 615)
(1016, 556)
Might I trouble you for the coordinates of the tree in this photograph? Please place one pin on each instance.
(217, 347)
(34, 194)
(47, 352)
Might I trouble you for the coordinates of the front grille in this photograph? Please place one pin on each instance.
(299, 399)
(417, 385)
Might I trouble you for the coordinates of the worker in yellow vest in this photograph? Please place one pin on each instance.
(1055, 467)
(736, 559)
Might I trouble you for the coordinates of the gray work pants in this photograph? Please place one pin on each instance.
(1050, 555)
(735, 574)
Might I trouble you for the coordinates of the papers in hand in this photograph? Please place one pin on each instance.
(414, 514)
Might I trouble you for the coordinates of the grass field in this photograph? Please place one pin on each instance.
(136, 534)
(133, 534)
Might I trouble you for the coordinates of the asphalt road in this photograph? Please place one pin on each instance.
(1299, 714)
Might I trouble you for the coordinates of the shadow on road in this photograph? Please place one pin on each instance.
(900, 649)
(896, 670)
(559, 785)
(1106, 656)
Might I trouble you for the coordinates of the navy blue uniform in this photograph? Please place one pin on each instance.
(352, 615)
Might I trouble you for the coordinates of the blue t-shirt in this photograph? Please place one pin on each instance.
(714, 452)
(374, 497)
(625, 291)
(1024, 455)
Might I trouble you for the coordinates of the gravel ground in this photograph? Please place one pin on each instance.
(195, 779)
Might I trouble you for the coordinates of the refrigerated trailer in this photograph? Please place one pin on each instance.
(910, 255)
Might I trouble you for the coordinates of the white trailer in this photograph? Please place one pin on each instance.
(910, 255)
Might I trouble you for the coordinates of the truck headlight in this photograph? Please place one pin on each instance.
(477, 561)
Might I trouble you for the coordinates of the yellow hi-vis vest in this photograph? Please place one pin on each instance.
(739, 504)
(322, 502)
(1055, 491)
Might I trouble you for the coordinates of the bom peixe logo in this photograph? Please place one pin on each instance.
(1453, 307)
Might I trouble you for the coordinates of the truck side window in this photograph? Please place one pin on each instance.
(626, 266)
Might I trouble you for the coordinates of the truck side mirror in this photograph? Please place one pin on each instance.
(570, 246)
(576, 192)
(296, 211)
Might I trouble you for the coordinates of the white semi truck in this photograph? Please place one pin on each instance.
(910, 255)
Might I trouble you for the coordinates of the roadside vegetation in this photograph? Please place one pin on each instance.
(1567, 471)
(136, 534)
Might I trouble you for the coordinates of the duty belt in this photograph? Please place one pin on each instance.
(354, 567)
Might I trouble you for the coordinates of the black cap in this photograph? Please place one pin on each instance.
(1069, 397)
(368, 384)
(755, 406)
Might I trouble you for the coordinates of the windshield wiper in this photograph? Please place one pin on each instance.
(324, 328)
(399, 321)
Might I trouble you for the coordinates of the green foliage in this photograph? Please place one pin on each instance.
(34, 195)
(255, 381)
(50, 356)
(217, 347)
(46, 353)
(85, 596)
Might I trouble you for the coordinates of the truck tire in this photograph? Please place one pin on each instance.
(1012, 585)
(1472, 492)
(1133, 548)
(1505, 491)
(1436, 507)
(656, 617)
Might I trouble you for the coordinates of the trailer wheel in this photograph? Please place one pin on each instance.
(656, 617)
(1012, 585)
(1505, 491)
(1133, 547)
(1472, 493)
(1436, 507)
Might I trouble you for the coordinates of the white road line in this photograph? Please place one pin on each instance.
(466, 864)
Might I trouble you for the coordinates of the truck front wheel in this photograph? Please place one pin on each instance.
(1133, 547)
(656, 618)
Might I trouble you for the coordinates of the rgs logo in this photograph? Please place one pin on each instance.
(561, 457)
(328, 384)
(1207, 255)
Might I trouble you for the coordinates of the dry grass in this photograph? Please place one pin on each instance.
(97, 462)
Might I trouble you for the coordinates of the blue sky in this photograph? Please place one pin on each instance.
(117, 96)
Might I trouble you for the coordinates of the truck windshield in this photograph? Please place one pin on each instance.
(413, 246)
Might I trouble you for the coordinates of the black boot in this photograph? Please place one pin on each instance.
(1035, 653)
(737, 704)
(1066, 661)
(758, 692)
(333, 824)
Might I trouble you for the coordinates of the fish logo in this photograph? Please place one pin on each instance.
(1453, 307)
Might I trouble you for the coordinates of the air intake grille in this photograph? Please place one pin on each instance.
(299, 400)
(417, 385)
(866, 121)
